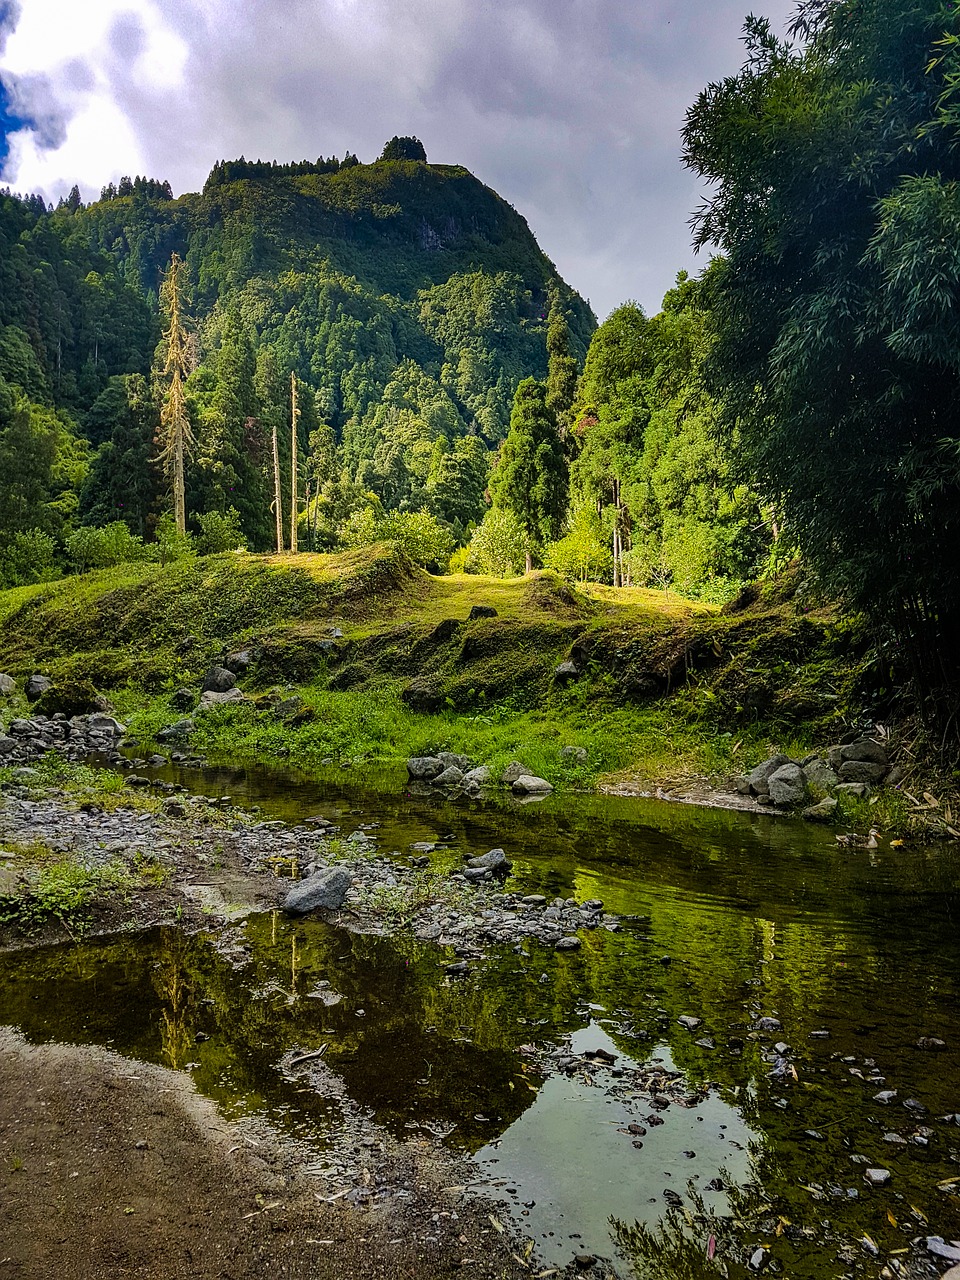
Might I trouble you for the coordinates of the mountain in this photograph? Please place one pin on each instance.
(408, 298)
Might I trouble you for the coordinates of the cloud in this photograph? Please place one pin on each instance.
(571, 109)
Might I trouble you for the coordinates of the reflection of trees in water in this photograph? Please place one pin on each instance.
(174, 985)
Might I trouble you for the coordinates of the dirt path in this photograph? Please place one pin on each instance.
(111, 1168)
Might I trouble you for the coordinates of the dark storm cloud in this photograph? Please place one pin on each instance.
(571, 109)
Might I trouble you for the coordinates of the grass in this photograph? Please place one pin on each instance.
(667, 689)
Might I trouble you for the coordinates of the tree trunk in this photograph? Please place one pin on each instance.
(277, 498)
(529, 564)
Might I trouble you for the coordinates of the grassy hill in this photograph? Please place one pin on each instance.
(664, 688)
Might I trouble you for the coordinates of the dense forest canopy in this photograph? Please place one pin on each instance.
(834, 172)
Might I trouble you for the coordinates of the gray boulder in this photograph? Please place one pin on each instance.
(422, 768)
(835, 758)
(176, 732)
(210, 698)
(218, 680)
(451, 761)
(496, 861)
(528, 785)
(513, 771)
(760, 776)
(861, 771)
(481, 776)
(183, 699)
(240, 661)
(36, 685)
(482, 611)
(574, 754)
(825, 811)
(7, 745)
(566, 671)
(98, 722)
(787, 786)
(7, 686)
(451, 777)
(24, 729)
(865, 750)
(741, 784)
(857, 790)
(820, 775)
(327, 890)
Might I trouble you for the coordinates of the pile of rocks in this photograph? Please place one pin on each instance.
(849, 768)
(449, 772)
(25, 741)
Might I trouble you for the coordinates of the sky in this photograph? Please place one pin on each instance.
(570, 109)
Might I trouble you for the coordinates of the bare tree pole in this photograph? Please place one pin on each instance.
(176, 438)
(277, 498)
(294, 501)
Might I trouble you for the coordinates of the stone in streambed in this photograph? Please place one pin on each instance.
(513, 771)
(424, 768)
(211, 698)
(218, 680)
(528, 785)
(327, 890)
(496, 860)
(451, 777)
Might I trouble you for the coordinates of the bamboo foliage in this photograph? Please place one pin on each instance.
(176, 439)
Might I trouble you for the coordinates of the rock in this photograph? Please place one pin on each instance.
(135, 780)
(496, 860)
(931, 1042)
(567, 944)
(865, 751)
(480, 775)
(527, 785)
(422, 768)
(822, 812)
(176, 732)
(482, 611)
(218, 680)
(584, 1261)
(893, 779)
(787, 785)
(740, 784)
(819, 775)
(689, 1022)
(885, 1096)
(211, 698)
(566, 671)
(7, 745)
(7, 686)
(450, 760)
(758, 777)
(445, 630)
(37, 685)
(877, 1177)
(424, 694)
(326, 890)
(451, 777)
(513, 771)
(941, 1249)
(183, 700)
(24, 729)
(767, 1024)
(856, 790)
(240, 661)
(101, 723)
(576, 755)
(861, 771)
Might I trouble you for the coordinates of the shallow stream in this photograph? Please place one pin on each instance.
(733, 917)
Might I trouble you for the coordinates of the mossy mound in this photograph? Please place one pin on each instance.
(70, 698)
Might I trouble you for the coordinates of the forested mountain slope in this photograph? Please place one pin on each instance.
(408, 299)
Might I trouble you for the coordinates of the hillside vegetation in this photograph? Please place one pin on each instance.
(385, 660)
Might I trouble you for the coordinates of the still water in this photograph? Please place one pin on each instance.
(732, 917)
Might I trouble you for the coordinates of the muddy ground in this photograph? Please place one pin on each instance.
(114, 1169)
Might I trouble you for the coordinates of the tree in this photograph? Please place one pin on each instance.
(120, 484)
(834, 172)
(562, 370)
(176, 436)
(498, 546)
(404, 149)
(530, 478)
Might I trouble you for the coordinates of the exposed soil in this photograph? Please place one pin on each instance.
(114, 1169)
